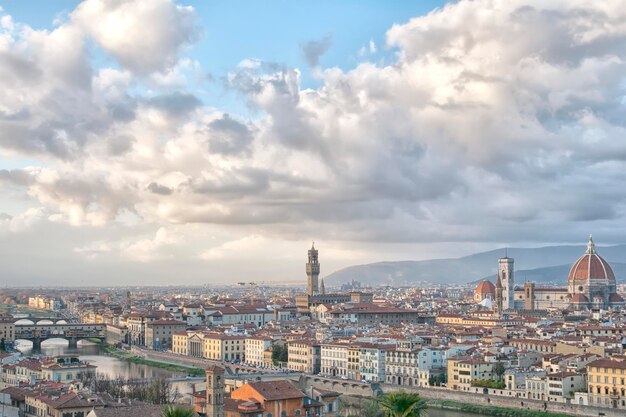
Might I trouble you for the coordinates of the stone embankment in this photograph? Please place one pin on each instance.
(442, 394)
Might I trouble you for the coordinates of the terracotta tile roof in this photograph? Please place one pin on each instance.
(276, 390)
(170, 322)
(607, 363)
(74, 400)
(242, 407)
(143, 410)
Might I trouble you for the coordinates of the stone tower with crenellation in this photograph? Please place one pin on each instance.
(312, 271)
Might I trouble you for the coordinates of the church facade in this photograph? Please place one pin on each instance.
(591, 285)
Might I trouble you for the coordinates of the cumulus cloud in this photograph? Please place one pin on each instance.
(498, 121)
(144, 36)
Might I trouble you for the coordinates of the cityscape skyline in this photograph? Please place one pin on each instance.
(327, 208)
(205, 142)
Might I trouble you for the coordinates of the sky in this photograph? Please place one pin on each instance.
(193, 142)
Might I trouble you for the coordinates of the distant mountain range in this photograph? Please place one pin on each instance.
(550, 264)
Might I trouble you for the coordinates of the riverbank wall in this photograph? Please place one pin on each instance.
(172, 358)
(440, 396)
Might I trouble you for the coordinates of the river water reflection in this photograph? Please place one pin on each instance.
(107, 365)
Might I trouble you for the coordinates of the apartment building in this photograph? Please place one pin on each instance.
(334, 359)
(116, 334)
(69, 404)
(138, 322)
(40, 302)
(463, 371)
(538, 345)
(188, 343)
(66, 369)
(372, 362)
(7, 329)
(304, 355)
(25, 371)
(401, 365)
(159, 332)
(280, 398)
(222, 347)
(354, 356)
(255, 350)
(259, 316)
(372, 314)
(606, 383)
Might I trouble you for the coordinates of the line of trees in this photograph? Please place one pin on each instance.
(155, 391)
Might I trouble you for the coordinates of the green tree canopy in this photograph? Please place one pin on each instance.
(499, 370)
(171, 411)
(402, 404)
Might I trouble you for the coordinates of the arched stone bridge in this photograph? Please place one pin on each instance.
(37, 333)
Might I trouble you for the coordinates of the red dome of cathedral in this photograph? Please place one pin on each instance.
(589, 267)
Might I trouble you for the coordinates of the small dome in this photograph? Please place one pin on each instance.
(616, 298)
(485, 288)
(589, 267)
(579, 299)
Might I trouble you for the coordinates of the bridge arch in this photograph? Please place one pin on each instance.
(56, 340)
(23, 344)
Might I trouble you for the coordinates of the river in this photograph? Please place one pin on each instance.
(107, 365)
(113, 367)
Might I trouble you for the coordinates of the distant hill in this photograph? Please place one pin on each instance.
(554, 274)
(547, 264)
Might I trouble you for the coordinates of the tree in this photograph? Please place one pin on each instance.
(499, 370)
(280, 354)
(171, 411)
(442, 378)
(402, 404)
(154, 391)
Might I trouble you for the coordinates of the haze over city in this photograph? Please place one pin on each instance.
(191, 142)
